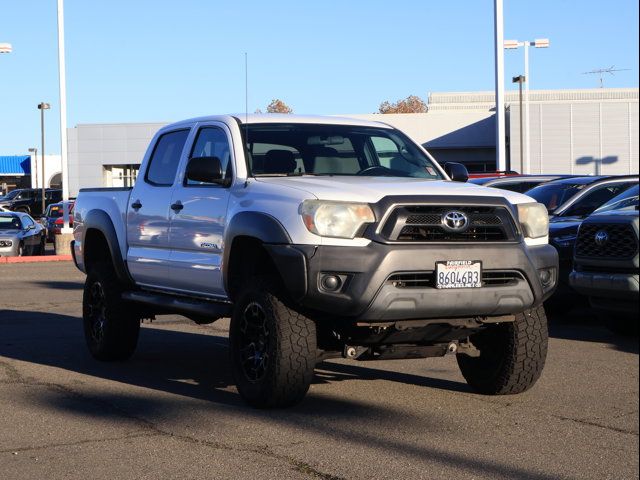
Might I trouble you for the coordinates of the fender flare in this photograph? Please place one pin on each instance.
(100, 220)
(261, 226)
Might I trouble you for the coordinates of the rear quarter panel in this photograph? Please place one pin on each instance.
(112, 201)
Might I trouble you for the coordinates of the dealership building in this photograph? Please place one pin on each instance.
(571, 131)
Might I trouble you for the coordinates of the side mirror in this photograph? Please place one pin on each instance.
(456, 171)
(204, 169)
(30, 227)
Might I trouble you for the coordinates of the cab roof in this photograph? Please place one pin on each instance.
(257, 118)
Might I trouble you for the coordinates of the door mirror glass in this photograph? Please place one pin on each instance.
(204, 170)
(456, 171)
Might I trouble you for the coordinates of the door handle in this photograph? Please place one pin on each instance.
(176, 207)
(136, 205)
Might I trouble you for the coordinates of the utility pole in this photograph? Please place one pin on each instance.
(520, 79)
(42, 106)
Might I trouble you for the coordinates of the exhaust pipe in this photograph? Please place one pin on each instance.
(452, 348)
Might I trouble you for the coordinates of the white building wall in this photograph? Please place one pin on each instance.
(52, 167)
(585, 138)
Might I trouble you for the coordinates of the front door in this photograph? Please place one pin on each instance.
(198, 218)
(148, 212)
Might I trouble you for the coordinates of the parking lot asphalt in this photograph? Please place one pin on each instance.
(172, 411)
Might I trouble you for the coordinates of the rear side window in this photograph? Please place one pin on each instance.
(166, 157)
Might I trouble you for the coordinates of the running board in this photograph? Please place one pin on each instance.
(189, 307)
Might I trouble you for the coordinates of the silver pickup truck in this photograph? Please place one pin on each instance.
(320, 238)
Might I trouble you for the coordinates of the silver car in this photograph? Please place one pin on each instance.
(20, 235)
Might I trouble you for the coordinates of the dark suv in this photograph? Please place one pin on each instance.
(606, 262)
(29, 200)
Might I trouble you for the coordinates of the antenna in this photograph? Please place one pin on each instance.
(246, 88)
(601, 71)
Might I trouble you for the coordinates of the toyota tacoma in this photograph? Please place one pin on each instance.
(320, 237)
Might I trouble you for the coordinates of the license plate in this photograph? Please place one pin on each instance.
(459, 274)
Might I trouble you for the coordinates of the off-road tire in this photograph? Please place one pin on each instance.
(287, 339)
(111, 327)
(512, 355)
(41, 248)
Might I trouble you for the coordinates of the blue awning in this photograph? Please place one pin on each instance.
(15, 165)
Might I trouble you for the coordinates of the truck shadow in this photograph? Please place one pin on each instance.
(195, 366)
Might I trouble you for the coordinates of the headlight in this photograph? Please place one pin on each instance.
(6, 243)
(534, 219)
(335, 219)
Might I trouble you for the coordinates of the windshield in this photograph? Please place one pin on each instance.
(552, 195)
(301, 149)
(10, 222)
(11, 195)
(627, 200)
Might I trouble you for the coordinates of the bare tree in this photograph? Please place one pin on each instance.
(411, 104)
(278, 106)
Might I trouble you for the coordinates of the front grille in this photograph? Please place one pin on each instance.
(490, 278)
(622, 242)
(424, 223)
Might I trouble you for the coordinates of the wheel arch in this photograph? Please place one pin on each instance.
(100, 242)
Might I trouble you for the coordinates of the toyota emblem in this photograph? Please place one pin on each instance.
(601, 238)
(455, 221)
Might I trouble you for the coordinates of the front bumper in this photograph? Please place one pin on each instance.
(369, 294)
(11, 251)
(606, 285)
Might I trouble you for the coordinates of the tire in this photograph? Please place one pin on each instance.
(42, 247)
(512, 355)
(111, 329)
(273, 347)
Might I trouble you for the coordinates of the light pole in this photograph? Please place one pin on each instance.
(63, 119)
(513, 45)
(520, 79)
(498, 39)
(42, 106)
(35, 164)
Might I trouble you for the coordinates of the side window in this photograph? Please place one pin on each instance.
(595, 199)
(26, 222)
(165, 158)
(212, 142)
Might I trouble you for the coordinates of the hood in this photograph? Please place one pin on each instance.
(617, 213)
(9, 233)
(373, 189)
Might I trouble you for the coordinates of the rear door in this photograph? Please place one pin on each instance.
(148, 211)
(198, 217)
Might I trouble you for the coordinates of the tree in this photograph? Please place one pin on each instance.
(411, 104)
(278, 106)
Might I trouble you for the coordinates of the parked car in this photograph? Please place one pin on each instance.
(516, 183)
(606, 262)
(29, 200)
(569, 202)
(318, 244)
(53, 219)
(20, 235)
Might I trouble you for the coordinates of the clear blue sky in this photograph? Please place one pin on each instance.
(144, 60)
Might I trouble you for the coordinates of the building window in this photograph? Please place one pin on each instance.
(120, 175)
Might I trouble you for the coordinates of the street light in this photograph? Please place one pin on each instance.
(5, 48)
(35, 165)
(42, 106)
(520, 79)
(513, 45)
